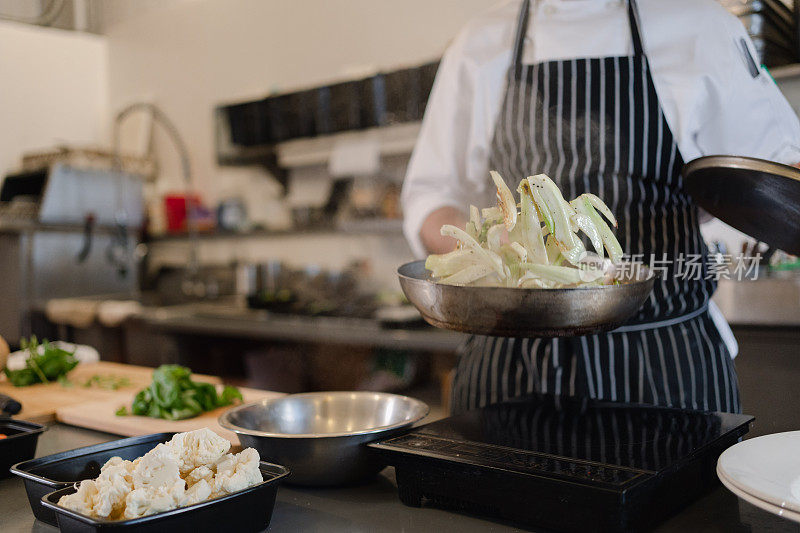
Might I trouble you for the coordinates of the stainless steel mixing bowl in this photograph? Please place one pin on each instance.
(321, 436)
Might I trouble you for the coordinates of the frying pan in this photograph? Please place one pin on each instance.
(511, 312)
(757, 197)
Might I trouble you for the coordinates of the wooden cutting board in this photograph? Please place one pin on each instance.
(39, 402)
(100, 415)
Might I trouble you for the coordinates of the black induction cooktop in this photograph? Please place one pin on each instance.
(564, 464)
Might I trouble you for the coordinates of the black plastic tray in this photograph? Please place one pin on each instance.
(20, 443)
(243, 511)
(61, 470)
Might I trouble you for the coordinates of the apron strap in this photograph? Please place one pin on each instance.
(519, 38)
(633, 22)
(522, 30)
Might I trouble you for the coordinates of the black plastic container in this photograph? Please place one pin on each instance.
(19, 444)
(564, 464)
(373, 108)
(244, 511)
(242, 121)
(322, 111)
(289, 116)
(276, 109)
(427, 76)
(402, 96)
(302, 114)
(372, 101)
(62, 470)
(345, 106)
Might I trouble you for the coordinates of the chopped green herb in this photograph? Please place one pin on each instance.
(174, 396)
(106, 382)
(45, 363)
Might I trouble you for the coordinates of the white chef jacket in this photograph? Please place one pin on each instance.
(711, 100)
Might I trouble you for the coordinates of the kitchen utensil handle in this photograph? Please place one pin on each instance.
(86, 247)
(9, 405)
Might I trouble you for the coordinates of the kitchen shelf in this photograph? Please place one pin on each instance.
(33, 226)
(365, 227)
(397, 139)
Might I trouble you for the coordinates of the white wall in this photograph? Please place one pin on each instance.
(54, 90)
(192, 55)
(189, 56)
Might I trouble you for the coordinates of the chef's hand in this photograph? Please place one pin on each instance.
(430, 234)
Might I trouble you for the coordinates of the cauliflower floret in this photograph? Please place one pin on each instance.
(81, 501)
(200, 473)
(155, 482)
(197, 493)
(114, 461)
(113, 485)
(196, 448)
(157, 468)
(237, 472)
(147, 501)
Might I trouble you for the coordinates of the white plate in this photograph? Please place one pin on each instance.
(767, 468)
(761, 504)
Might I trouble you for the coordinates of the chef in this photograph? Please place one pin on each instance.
(610, 97)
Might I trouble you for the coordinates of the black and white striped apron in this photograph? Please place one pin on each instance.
(596, 125)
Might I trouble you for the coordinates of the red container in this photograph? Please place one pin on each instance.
(176, 211)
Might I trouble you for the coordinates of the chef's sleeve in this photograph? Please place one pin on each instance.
(746, 114)
(437, 170)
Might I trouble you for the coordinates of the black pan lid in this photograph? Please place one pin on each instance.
(758, 197)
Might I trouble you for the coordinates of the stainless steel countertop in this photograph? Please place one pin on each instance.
(375, 507)
(766, 302)
(769, 302)
(225, 318)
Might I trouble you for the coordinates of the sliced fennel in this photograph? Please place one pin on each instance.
(531, 244)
